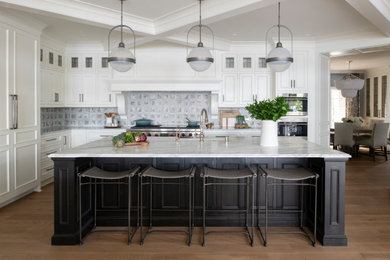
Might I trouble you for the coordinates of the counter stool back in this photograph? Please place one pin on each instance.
(154, 173)
(295, 177)
(249, 173)
(95, 174)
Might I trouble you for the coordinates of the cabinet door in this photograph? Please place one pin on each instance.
(284, 80)
(246, 63)
(104, 96)
(74, 88)
(263, 86)
(247, 89)
(300, 70)
(229, 63)
(89, 92)
(229, 90)
(26, 81)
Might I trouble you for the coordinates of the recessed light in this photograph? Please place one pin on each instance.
(234, 34)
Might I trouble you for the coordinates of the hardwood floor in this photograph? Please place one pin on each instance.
(26, 227)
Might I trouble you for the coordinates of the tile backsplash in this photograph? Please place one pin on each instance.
(73, 117)
(166, 108)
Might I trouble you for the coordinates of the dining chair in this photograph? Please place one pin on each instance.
(343, 136)
(377, 139)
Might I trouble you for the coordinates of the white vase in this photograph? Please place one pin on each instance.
(269, 133)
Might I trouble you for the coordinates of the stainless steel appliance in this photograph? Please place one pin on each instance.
(297, 103)
(292, 128)
(164, 131)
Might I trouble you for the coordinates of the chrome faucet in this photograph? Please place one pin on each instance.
(203, 121)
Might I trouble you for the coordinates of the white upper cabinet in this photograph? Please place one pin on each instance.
(229, 63)
(263, 86)
(296, 78)
(229, 95)
(104, 96)
(247, 89)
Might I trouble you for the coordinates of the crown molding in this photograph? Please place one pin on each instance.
(21, 22)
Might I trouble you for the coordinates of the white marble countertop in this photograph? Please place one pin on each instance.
(237, 147)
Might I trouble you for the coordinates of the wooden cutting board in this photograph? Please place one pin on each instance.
(137, 143)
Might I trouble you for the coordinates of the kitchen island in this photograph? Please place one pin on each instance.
(166, 153)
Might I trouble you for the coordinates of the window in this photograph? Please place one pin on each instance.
(262, 63)
(337, 106)
(368, 100)
(59, 61)
(229, 63)
(247, 62)
(51, 58)
(104, 62)
(41, 55)
(384, 94)
(88, 62)
(376, 97)
(75, 62)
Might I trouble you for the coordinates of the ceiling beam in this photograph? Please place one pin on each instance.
(376, 11)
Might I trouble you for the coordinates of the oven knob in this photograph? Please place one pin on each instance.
(183, 134)
(149, 134)
(155, 134)
(190, 134)
(196, 133)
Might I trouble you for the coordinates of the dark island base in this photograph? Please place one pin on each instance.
(112, 199)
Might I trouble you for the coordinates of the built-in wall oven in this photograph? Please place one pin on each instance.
(297, 103)
(292, 128)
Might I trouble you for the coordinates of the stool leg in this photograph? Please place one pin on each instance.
(128, 212)
(150, 204)
(204, 211)
(189, 212)
(315, 213)
(301, 213)
(141, 218)
(94, 220)
(247, 203)
(266, 211)
(253, 210)
(80, 215)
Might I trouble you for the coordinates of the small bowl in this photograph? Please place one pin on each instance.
(193, 123)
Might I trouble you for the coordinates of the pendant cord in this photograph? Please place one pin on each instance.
(121, 20)
(278, 21)
(200, 20)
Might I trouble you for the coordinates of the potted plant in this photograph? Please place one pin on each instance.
(268, 111)
(209, 125)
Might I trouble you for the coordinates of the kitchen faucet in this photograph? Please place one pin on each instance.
(203, 121)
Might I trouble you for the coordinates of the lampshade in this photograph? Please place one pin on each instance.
(200, 59)
(121, 59)
(279, 59)
(349, 86)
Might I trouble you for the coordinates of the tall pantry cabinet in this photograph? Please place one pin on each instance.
(19, 116)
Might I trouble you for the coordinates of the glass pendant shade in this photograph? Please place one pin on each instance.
(349, 86)
(121, 59)
(279, 59)
(200, 59)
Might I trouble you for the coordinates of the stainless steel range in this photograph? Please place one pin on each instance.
(163, 131)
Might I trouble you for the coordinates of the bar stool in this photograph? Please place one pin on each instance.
(299, 175)
(246, 173)
(95, 174)
(154, 173)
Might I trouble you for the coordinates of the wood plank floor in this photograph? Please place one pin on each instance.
(26, 227)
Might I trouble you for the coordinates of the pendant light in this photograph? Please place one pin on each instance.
(349, 84)
(121, 59)
(279, 59)
(200, 58)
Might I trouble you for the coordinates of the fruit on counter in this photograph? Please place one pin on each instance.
(128, 137)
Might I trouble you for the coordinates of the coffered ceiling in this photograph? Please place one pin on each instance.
(231, 20)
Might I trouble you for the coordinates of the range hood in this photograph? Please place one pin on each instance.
(207, 84)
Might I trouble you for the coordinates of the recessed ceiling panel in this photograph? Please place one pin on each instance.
(150, 9)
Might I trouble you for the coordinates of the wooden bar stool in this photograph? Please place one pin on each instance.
(295, 177)
(154, 173)
(95, 174)
(246, 173)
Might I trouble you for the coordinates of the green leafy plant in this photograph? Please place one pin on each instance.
(211, 123)
(268, 109)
